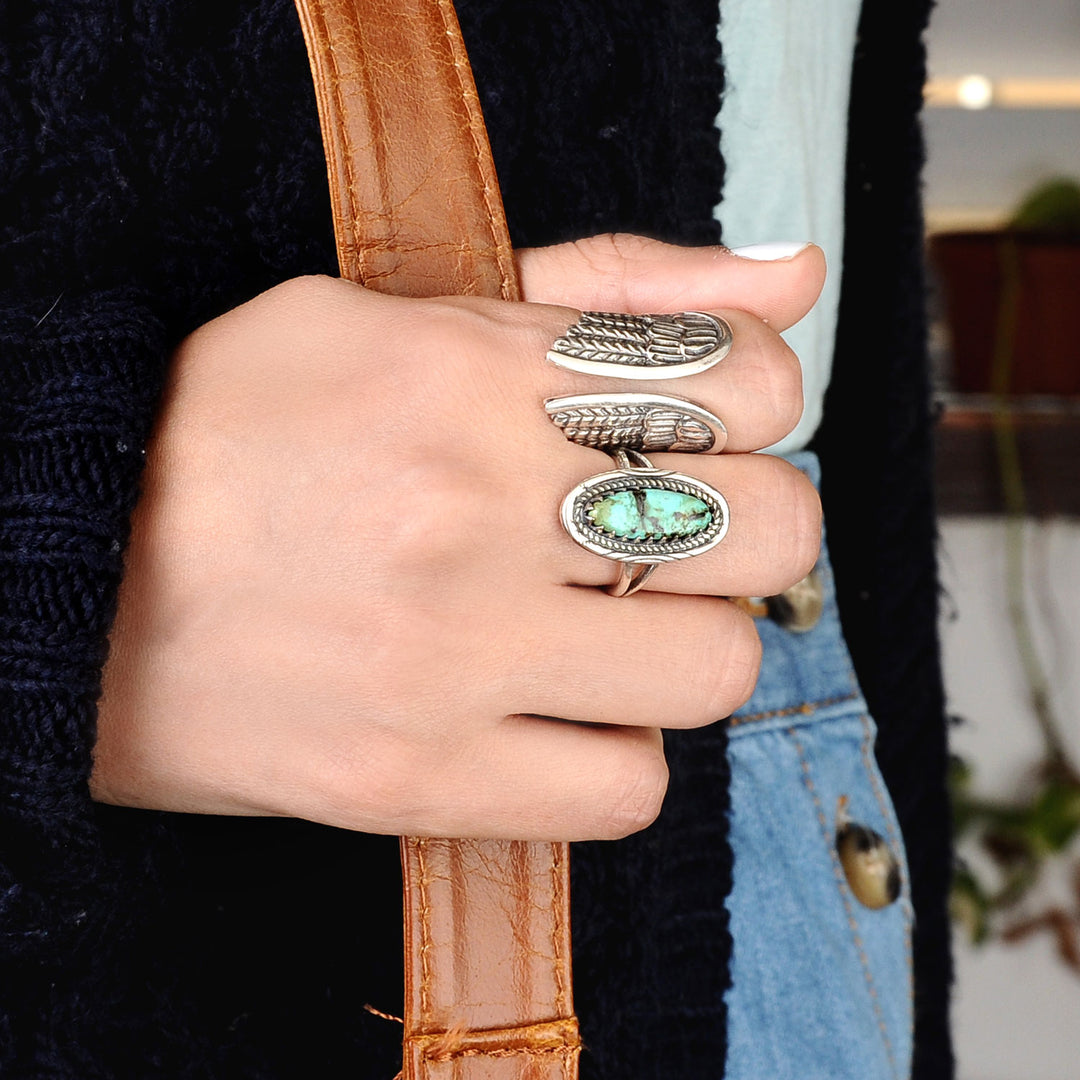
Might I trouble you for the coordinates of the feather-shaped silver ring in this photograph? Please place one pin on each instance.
(650, 423)
(642, 346)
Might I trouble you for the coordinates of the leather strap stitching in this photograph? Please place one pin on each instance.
(559, 1037)
(349, 243)
(568, 1052)
(558, 882)
(557, 928)
(425, 931)
(479, 158)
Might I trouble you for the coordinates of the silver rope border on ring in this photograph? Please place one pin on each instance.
(576, 505)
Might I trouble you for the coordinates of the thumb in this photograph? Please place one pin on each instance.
(621, 272)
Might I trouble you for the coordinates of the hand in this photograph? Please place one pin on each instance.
(348, 595)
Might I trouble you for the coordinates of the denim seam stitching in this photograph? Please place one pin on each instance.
(842, 887)
(896, 841)
(804, 709)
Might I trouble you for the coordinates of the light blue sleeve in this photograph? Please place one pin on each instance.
(783, 123)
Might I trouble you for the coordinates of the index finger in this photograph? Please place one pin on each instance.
(638, 275)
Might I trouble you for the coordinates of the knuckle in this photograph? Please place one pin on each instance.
(806, 532)
(788, 392)
(603, 257)
(377, 790)
(311, 289)
(605, 252)
(313, 309)
(435, 327)
(629, 247)
(772, 372)
(622, 262)
(798, 519)
(637, 794)
(743, 663)
(441, 514)
(472, 336)
(733, 664)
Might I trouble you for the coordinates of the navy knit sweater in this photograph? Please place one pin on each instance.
(160, 163)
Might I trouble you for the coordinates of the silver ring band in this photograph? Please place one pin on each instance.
(631, 578)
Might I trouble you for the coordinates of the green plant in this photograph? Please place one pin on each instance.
(1051, 207)
(1021, 837)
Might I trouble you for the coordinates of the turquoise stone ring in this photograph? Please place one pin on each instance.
(650, 514)
(641, 517)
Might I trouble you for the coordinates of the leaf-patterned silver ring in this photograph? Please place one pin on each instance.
(643, 346)
(650, 423)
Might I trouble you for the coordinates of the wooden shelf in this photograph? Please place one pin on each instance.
(967, 473)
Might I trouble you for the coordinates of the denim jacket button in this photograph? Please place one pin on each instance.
(871, 868)
(799, 608)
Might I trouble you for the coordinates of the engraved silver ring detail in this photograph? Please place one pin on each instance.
(650, 423)
(643, 346)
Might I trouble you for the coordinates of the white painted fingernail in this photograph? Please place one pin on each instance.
(774, 252)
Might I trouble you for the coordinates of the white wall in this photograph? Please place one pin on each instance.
(1016, 1007)
(1005, 38)
(981, 163)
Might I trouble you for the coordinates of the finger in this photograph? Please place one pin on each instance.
(533, 778)
(634, 274)
(772, 542)
(659, 661)
(756, 390)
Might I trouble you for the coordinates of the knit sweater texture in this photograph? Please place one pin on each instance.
(160, 164)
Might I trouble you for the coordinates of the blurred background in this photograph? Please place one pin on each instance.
(1003, 222)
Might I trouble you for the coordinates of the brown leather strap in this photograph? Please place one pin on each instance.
(416, 203)
(417, 212)
(487, 975)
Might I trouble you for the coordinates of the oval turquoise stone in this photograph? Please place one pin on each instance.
(650, 514)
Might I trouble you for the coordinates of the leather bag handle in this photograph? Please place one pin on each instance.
(416, 204)
(417, 212)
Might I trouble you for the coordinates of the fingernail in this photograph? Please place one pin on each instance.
(774, 252)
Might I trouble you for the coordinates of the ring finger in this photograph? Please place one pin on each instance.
(772, 539)
(694, 660)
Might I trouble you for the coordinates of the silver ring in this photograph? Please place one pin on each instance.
(651, 423)
(643, 346)
(640, 517)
